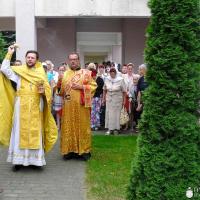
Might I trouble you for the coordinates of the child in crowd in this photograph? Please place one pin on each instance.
(57, 99)
(133, 100)
(96, 102)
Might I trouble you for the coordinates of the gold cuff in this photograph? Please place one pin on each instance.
(8, 56)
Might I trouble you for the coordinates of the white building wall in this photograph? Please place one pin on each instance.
(26, 30)
(57, 37)
(7, 8)
(60, 8)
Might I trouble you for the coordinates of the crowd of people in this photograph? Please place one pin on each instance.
(44, 100)
(117, 88)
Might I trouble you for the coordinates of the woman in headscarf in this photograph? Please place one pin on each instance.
(114, 95)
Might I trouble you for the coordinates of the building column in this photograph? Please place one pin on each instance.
(117, 54)
(26, 31)
(81, 56)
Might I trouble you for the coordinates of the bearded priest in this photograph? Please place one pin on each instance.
(27, 125)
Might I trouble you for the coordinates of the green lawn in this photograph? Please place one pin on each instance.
(109, 168)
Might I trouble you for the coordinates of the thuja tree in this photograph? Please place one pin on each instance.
(167, 161)
(2, 47)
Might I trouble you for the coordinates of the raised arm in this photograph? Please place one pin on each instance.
(5, 67)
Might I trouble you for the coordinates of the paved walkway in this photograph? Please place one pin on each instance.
(58, 180)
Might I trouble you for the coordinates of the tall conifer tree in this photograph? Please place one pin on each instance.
(167, 162)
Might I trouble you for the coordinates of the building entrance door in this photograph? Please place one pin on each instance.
(99, 46)
(90, 57)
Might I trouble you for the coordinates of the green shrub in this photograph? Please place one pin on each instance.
(2, 47)
(168, 154)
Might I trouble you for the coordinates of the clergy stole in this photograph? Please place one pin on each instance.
(82, 76)
(30, 115)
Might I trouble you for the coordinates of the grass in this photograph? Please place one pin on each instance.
(109, 169)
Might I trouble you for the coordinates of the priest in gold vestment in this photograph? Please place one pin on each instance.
(27, 126)
(77, 89)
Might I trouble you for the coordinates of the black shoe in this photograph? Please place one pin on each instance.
(68, 156)
(16, 168)
(85, 156)
(35, 167)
